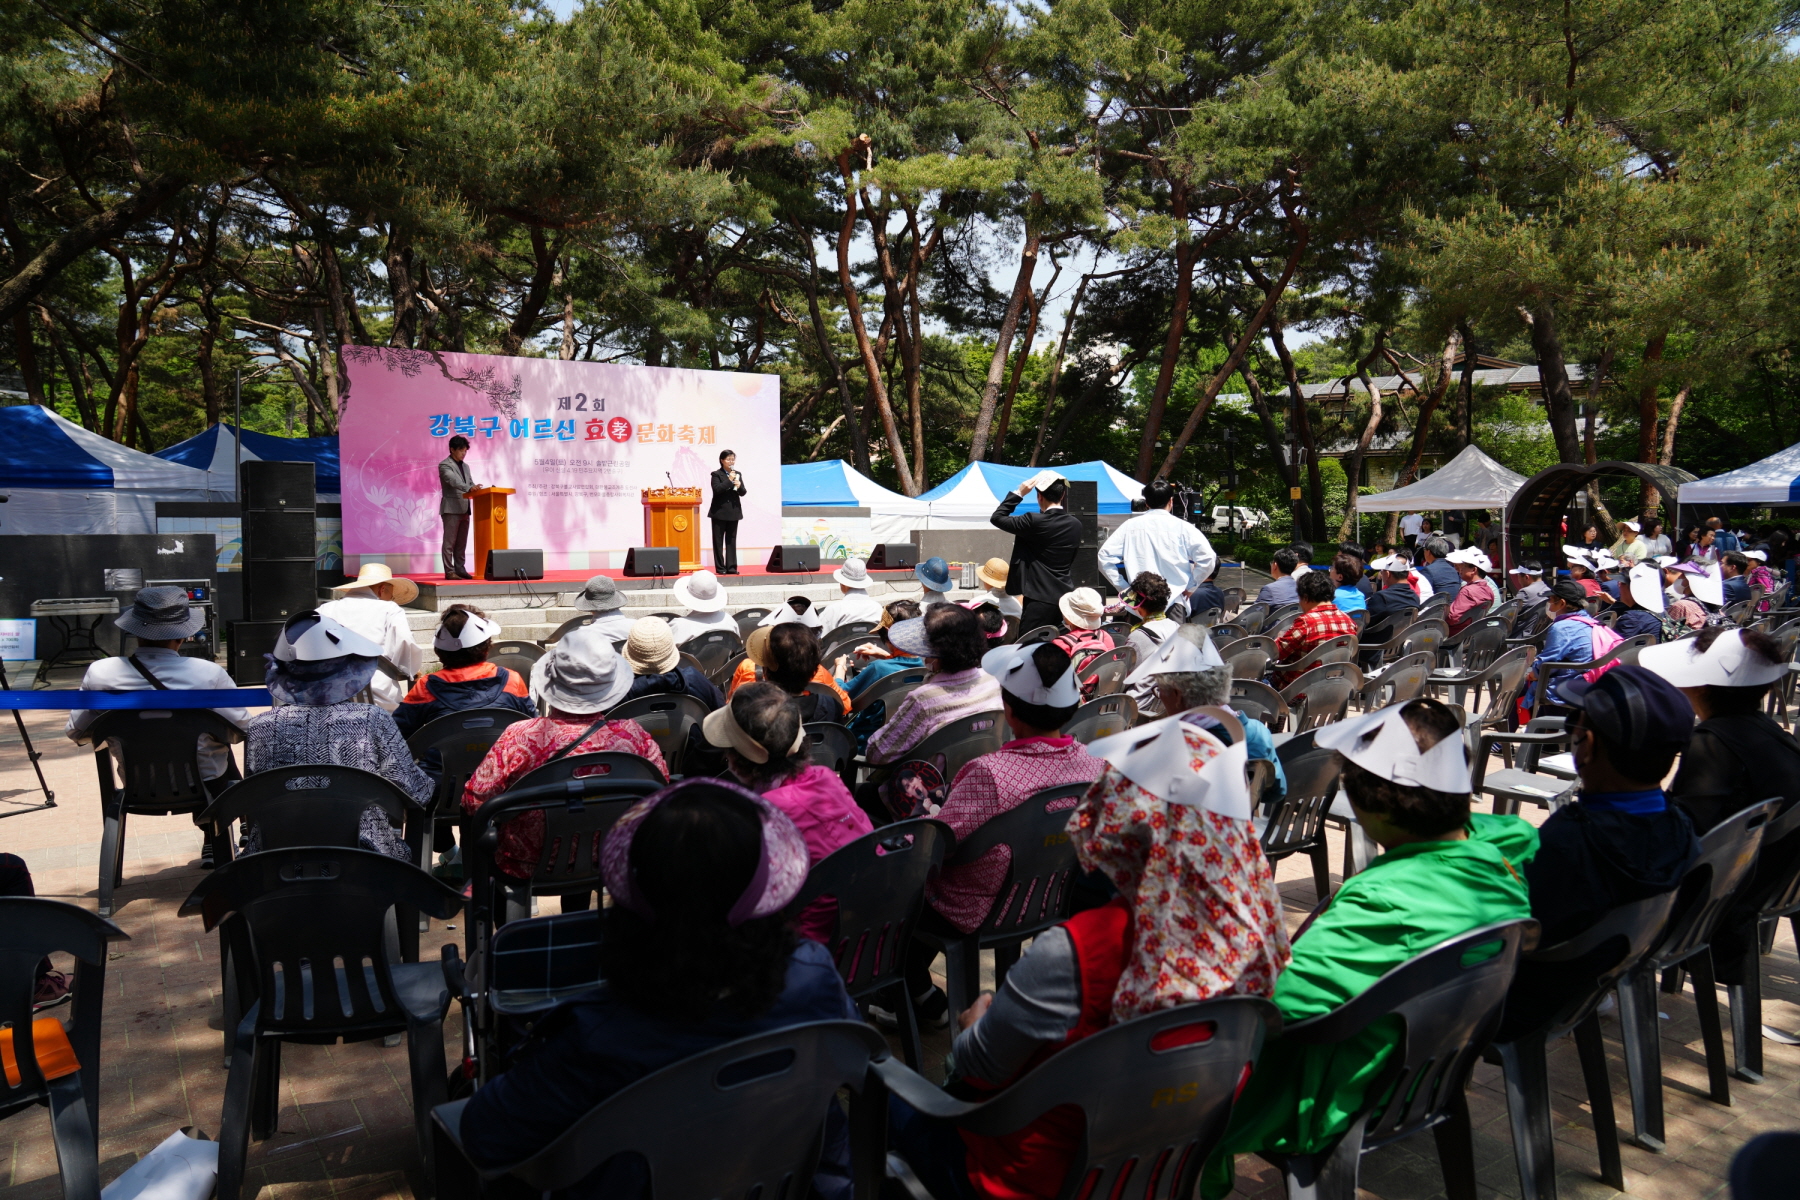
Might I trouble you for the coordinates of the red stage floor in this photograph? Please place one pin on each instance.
(824, 572)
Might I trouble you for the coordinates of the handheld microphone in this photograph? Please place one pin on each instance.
(671, 478)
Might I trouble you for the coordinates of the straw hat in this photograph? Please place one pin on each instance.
(700, 592)
(993, 573)
(1082, 609)
(372, 574)
(650, 647)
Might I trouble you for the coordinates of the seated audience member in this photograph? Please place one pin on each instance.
(657, 669)
(766, 750)
(783, 659)
(1640, 604)
(934, 576)
(1039, 694)
(1630, 549)
(48, 984)
(993, 625)
(704, 598)
(1208, 595)
(1149, 602)
(318, 669)
(1738, 756)
(696, 952)
(1191, 649)
(1574, 637)
(855, 603)
(952, 647)
(1581, 570)
(1395, 603)
(1280, 588)
(1179, 692)
(466, 680)
(883, 659)
(1320, 621)
(798, 610)
(371, 604)
(1622, 841)
(1084, 640)
(993, 575)
(1347, 576)
(1760, 580)
(1196, 916)
(161, 619)
(1303, 556)
(1605, 571)
(601, 597)
(1443, 872)
(1528, 582)
(1434, 565)
(1679, 602)
(1359, 562)
(1476, 595)
(582, 677)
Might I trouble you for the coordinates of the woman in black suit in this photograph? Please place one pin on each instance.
(726, 512)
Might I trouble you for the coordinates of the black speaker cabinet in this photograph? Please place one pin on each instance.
(1083, 498)
(653, 560)
(279, 533)
(278, 486)
(794, 558)
(890, 556)
(515, 564)
(276, 589)
(250, 640)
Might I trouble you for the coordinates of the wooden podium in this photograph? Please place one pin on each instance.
(489, 519)
(672, 518)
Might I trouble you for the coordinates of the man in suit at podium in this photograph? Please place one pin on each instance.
(456, 483)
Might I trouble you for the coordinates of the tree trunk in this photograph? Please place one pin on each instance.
(203, 355)
(398, 257)
(859, 328)
(1465, 395)
(1019, 359)
(1009, 324)
(829, 430)
(1675, 407)
(26, 353)
(544, 257)
(1553, 377)
(1062, 347)
(859, 446)
(328, 365)
(1185, 254)
(1649, 498)
(76, 369)
(1441, 388)
(1591, 406)
(1290, 478)
(1303, 422)
(27, 281)
(1353, 469)
(343, 305)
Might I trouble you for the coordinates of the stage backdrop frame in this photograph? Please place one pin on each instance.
(576, 440)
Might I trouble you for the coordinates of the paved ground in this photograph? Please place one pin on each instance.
(346, 1126)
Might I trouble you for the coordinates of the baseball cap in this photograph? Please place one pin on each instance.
(1472, 556)
(1632, 708)
(1568, 589)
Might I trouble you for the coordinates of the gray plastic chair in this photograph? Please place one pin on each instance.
(1401, 680)
(1322, 695)
(1256, 699)
(579, 621)
(1155, 1095)
(748, 619)
(890, 688)
(1102, 717)
(1108, 670)
(1297, 825)
(1449, 1009)
(740, 1120)
(1043, 633)
(1248, 657)
(30, 929)
(1771, 898)
(516, 655)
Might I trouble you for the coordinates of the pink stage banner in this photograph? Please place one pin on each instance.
(576, 440)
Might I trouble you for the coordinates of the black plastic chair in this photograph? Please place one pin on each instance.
(890, 689)
(1256, 699)
(666, 717)
(748, 619)
(516, 654)
(1248, 657)
(1107, 671)
(30, 929)
(956, 743)
(1102, 717)
(844, 638)
(770, 1091)
(1033, 896)
(1322, 695)
(1449, 1009)
(289, 915)
(580, 621)
(460, 740)
(1770, 897)
(828, 699)
(308, 805)
(1727, 851)
(830, 744)
(1629, 929)
(1043, 633)
(612, 766)
(879, 884)
(713, 649)
(530, 966)
(1297, 825)
(161, 774)
(1155, 1095)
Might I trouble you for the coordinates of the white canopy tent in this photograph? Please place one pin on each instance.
(1775, 481)
(1470, 480)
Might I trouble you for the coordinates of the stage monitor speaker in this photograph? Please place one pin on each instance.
(279, 533)
(250, 640)
(892, 556)
(515, 564)
(275, 589)
(657, 561)
(794, 558)
(278, 486)
(1083, 498)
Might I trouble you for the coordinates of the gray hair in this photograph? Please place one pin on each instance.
(1439, 547)
(1211, 685)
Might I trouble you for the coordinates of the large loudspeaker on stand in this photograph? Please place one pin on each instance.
(657, 561)
(794, 558)
(1083, 501)
(890, 556)
(279, 529)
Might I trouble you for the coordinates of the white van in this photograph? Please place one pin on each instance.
(1246, 518)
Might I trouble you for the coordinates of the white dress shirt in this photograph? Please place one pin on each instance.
(857, 605)
(1160, 542)
(384, 623)
(179, 674)
(692, 625)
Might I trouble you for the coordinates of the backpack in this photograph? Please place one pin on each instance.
(1601, 641)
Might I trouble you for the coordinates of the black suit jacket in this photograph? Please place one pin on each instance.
(1044, 548)
(725, 506)
(1385, 606)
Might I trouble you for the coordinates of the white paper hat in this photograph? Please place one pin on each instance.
(1666, 560)
(1017, 672)
(1761, 556)
(1177, 653)
(1708, 587)
(1392, 562)
(784, 614)
(1725, 663)
(1578, 554)
(1381, 743)
(1472, 556)
(1157, 758)
(1520, 568)
(475, 631)
(1646, 588)
(1604, 561)
(324, 639)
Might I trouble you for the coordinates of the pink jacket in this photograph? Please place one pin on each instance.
(828, 817)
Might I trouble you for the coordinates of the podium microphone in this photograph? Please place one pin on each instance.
(671, 478)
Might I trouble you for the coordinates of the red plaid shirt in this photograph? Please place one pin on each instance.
(1320, 625)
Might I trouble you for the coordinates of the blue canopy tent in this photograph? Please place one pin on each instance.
(968, 498)
(62, 479)
(837, 484)
(213, 451)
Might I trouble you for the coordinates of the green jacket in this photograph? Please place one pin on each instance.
(1300, 1099)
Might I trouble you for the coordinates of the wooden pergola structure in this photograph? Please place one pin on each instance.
(1535, 513)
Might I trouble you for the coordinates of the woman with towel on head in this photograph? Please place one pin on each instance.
(467, 679)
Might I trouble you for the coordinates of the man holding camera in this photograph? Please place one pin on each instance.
(1159, 542)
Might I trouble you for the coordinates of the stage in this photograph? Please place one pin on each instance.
(437, 592)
